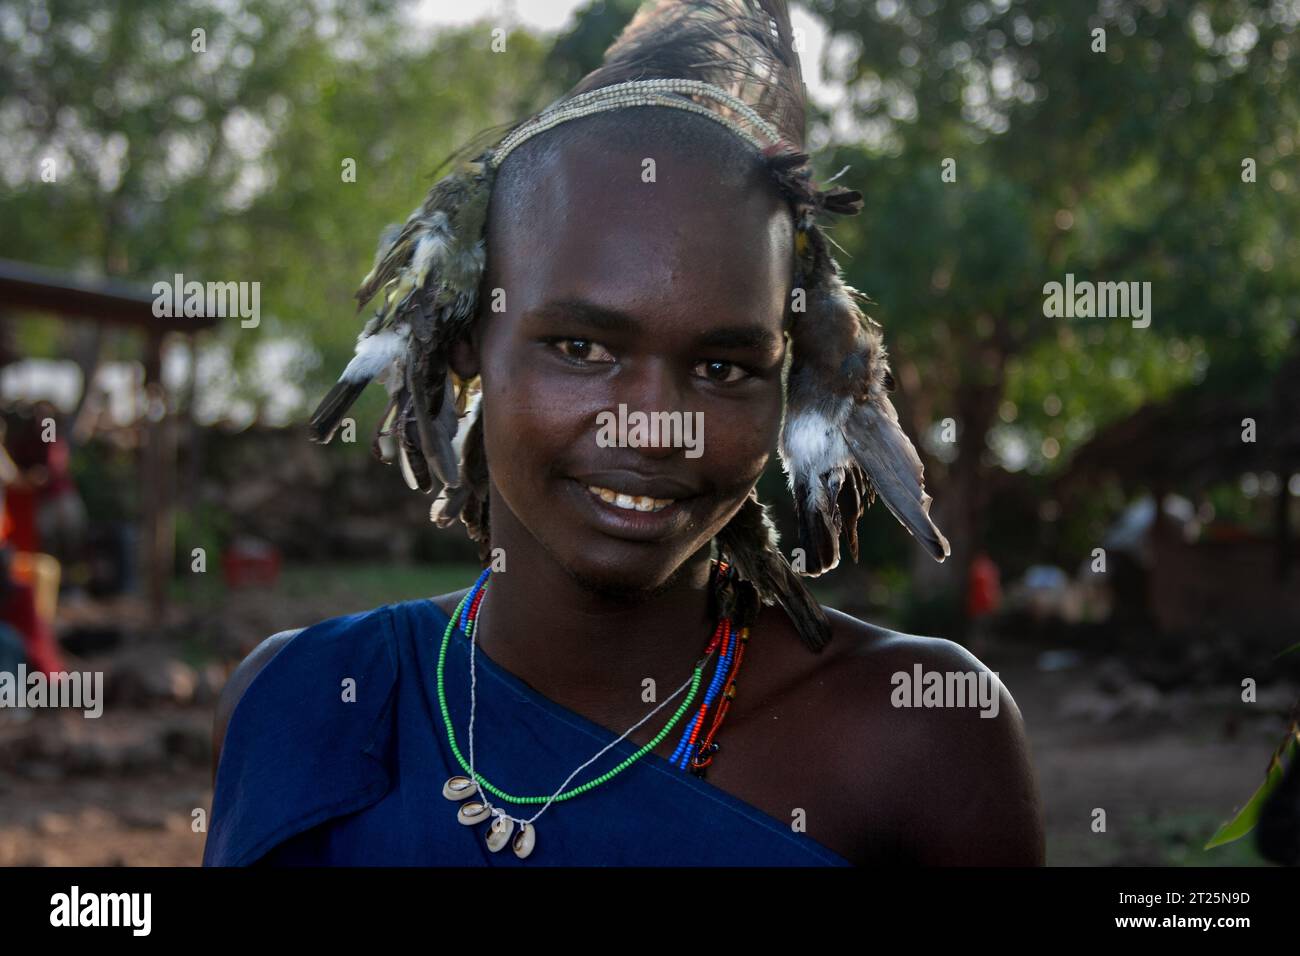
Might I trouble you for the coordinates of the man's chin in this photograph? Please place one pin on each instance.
(627, 586)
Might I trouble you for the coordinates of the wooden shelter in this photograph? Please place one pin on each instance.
(1198, 438)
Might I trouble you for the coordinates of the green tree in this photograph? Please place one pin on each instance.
(1122, 164)
(211, 140)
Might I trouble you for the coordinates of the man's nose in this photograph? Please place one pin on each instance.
(655, 386)
(652, 385)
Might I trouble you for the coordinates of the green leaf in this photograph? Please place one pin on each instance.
(1248, 816)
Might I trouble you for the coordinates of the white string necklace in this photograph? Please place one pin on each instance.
(481, 809)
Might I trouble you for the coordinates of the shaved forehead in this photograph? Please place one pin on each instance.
(601, 167)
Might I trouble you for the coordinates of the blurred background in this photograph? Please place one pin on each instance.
(1121, 500)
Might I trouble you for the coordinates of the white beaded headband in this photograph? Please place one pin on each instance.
(641, 93)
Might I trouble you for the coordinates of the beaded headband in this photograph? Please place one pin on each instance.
(656, 92)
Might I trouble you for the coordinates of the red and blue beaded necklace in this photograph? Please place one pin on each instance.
(733, 601)
(735, 605)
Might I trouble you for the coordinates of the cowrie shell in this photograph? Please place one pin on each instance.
(458, 788)
(472, 813)
(525, 841)
(499, 833)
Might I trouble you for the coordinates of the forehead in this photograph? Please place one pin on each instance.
(647, 228)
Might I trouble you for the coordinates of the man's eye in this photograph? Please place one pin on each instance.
(723, 373)
(583, 350)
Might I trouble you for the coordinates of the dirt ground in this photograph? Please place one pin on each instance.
(1167, 769)
(132, 787)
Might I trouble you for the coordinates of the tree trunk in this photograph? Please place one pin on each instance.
(961, 496)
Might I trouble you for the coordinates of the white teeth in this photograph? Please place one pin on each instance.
(630, 502)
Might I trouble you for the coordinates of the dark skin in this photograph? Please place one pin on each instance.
(584, 616)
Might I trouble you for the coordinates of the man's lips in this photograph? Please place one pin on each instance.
(634, 484)
(629, 523)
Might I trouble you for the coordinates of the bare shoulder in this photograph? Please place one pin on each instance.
(243, 675)
(447, 602)
(934, 721)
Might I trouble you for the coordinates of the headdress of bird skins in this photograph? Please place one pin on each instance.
(841, 443)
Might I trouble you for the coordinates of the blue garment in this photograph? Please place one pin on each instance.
(308, 778)
(12, 653)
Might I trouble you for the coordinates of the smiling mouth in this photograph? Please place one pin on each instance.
(629, 502)
(632, 517)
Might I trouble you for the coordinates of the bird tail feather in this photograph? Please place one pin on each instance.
(819, 526)
(894, 469)
(329, 413)
(415, 470)
(436, 422)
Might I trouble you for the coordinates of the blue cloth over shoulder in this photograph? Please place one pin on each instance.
(313, 775)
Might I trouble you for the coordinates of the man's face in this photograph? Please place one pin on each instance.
(667, 296)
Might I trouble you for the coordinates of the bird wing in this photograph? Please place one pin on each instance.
(894, 469)
(426, 278)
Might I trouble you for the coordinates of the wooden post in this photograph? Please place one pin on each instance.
(157, 471)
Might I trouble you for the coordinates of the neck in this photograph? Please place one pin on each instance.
(587, 650)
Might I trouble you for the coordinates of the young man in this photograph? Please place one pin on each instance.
(669, 294)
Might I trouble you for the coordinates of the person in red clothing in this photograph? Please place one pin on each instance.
(18, 610)
(18, 598)
(60, 514)
(983, 598)
(20, 488)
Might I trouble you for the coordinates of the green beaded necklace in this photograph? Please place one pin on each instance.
(458, 788)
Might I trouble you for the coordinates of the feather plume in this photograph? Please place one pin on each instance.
(750, 541)
(746, 47)
(841, 442)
